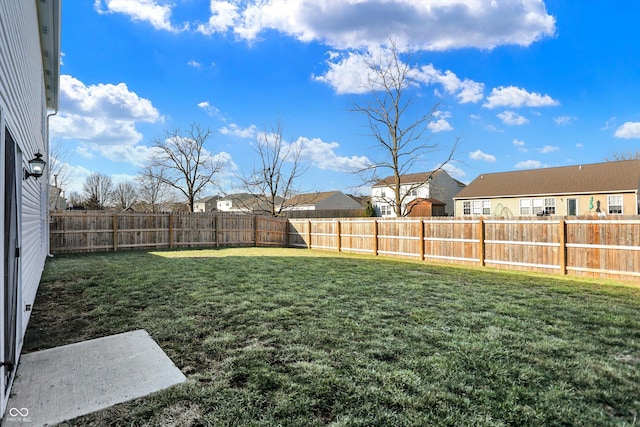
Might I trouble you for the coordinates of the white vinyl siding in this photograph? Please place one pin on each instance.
(23, 108)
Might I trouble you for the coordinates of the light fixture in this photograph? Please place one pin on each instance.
(36, 167)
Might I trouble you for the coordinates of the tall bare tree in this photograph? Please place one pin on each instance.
(619, 157)
(58, 173)
(400, 133)
(98, 189)
(125, 195)
(273, 179)
(153, 189)
(186, 164)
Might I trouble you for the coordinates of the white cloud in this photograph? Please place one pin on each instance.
(103, 118)
(563, 120)
(513, 119)
(195, 64)
(439, 125)
(151, 11)
(530, 164)
(234, 130)
(115, 102)
(322, 155)
(548, 149)
(628, 130)
(579, 145)
(516, 97)
(479, 155)
(350, 73)
(208, 108)
(414, 24)
(465, 90)
(224, 16)
(518, 142)
(453, 170)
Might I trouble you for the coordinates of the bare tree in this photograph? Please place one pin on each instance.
(98, 189)
(153, 189)
(58, 173)
(273, 179)
(187, 166)
(401, 134)
(74, 199)
(619, 157)
(125, 195)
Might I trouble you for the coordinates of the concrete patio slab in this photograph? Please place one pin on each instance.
(62, 383)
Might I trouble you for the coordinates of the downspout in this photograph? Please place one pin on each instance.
(49, 115)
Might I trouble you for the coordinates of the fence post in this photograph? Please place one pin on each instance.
(421, 236)
(481, 245)
(309, 235)
(216, 222)
(255, 230)
(338, 235)
(170, 231)
(375, 237)
(115, 232)
(562, 252)
(287, 225)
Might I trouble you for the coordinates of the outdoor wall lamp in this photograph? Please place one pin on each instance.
(36, 167)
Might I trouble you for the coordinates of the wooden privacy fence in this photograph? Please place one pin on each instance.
(595, 247)
(92, 231)
(601, 248)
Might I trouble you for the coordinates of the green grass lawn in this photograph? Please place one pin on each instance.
(292, 337)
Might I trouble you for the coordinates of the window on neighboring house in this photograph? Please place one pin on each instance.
(486, 207)
(537, 206)
(383, 193)
(481, 207)
(615, 204)
(525, 206)
(414, 192)
(466, 207)
(385, 210)
(550, 206)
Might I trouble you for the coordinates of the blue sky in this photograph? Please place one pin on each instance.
(525, 84)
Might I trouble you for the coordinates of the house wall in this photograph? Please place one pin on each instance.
(380, 196)
(510, 207)
(445, 188)
(337, 201)
(23, 112)
(441, 187)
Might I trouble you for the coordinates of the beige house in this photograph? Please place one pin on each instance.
(424, 185)
(609, 188)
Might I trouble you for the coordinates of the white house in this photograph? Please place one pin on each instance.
(29, 91)
(206, 204)
(437, 185)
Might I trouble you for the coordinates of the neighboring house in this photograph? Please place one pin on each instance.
(609, 188)
(29, 88)
(206, 204)
(246, 203)
(57, 201)
(437, 185)
(324, 201)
